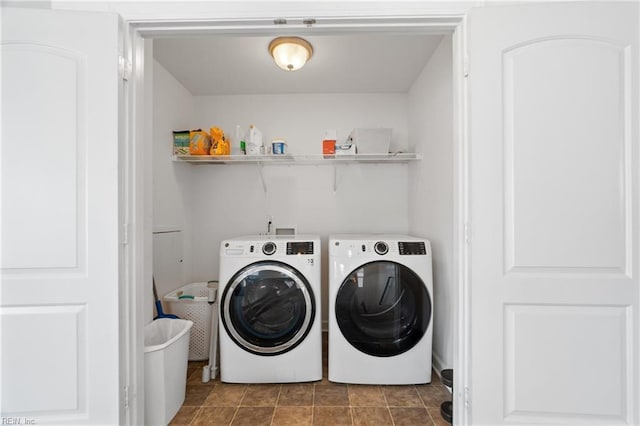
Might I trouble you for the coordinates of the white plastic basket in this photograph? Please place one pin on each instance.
(191, 302)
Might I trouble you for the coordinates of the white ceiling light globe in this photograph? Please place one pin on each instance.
(290, 53)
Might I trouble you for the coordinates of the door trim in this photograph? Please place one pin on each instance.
(139, 259)
(135, 223)
(461, 231)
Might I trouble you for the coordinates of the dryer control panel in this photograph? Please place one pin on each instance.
(379, 247)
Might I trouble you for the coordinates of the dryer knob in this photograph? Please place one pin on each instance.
(381, 247)
(269, 248)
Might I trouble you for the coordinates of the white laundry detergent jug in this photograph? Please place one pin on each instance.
(254, 141)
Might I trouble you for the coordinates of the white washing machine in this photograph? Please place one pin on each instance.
(380, 309)
(269, 304)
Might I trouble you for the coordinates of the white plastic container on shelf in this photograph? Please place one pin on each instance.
(166, 346)
(254, 141)
(238, 144)
(192, 302)
(371, 141)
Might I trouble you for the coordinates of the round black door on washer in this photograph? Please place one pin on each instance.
(383, 308)
(268, 308)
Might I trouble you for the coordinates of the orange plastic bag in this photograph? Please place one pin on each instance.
(219, 143)
(199, 142)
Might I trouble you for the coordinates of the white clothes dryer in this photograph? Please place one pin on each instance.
(269, 304)
(380, 309)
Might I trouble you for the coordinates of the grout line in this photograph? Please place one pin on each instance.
(273, 415)
(421, 399)
(235, 414)
(393, 422)
(195, 415)
(386, 403)
(313, 403)
(244, 393)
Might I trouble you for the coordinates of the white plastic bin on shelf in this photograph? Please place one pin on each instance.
(192, 302)
(166, 346)
(371, 141)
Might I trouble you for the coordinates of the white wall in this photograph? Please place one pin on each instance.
(230, 200)
(301, 119)
(213, 202)
(173, 109)
(431, 186)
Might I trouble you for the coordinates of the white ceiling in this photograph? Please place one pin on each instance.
(351, 63)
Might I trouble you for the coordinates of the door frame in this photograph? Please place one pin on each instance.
(136, 195)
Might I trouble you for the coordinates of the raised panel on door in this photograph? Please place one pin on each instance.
(566, 191)
(59, 181)
(50, 344)
(554, 202)
(42, 221)
(538, 356)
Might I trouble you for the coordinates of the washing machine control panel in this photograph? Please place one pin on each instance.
(412, 248)
(299, 247)
(269, 248)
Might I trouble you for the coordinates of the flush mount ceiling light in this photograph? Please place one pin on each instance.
(290, 53)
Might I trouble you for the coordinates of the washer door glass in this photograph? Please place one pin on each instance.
(268, 308)
(383, 308)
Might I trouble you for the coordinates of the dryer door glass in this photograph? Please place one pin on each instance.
(268, 308)
(383, 308)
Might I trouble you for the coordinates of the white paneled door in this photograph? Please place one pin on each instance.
(59, 253)
(554, 158)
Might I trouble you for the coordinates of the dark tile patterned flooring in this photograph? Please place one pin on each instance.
(315, 403)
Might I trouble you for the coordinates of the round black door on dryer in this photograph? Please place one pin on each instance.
(383, 308)
(268, 308)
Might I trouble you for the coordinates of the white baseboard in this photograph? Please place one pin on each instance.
(438, 365)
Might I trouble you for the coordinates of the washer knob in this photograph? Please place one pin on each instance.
(269, 248)
(381, 247)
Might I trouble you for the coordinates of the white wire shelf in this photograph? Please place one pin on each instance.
(401, 157)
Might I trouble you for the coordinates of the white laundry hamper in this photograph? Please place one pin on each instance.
(195, 302)
(166, 346)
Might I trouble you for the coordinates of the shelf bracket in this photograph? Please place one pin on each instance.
(260, 171)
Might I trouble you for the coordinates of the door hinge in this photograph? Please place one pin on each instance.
(126, 397)
(124, 68)
(465, 66)
(125, 234)
(467, 397)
